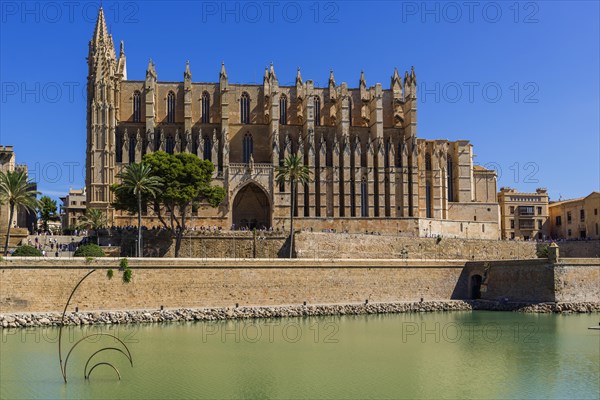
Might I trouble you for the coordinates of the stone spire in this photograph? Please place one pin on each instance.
(299, 86)
(413, 76)
(272, 72)
(187, 75)
(223, 74)
(102, 58)
(122, 62)
(397, 99)
(396, 80)
(332, 91)
(267, 82)
(362, 83)
(100, 31)
(364, 94)
(223, 81)
(151, 71)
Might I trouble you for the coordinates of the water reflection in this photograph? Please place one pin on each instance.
(419, 355)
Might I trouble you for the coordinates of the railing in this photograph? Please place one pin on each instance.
(526, 211)
(237, 168)
(526, 224)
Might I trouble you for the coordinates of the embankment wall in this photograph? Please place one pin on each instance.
(42, 285)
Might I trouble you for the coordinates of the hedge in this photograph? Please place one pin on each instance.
(27, 251)
(89, 250)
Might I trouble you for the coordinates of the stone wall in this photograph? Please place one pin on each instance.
(580, 248)
(569, 280)
(231, 245)
(17, 236)
(44, 285)
(577, 280)
(200, 244)
(514, 281)
(242, 244)
(340, 245)
(484, 227)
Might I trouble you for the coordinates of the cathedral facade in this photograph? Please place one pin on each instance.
(369, 170)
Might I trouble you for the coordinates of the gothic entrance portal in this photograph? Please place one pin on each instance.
(251, 208)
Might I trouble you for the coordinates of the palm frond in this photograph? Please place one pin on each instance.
(17, 190)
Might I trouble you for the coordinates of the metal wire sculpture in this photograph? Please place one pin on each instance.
(86, 373)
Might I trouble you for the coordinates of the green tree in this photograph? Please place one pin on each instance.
(89, 250)
(47, 211)
(294, 172)
(137, 181)
(187, 182)
(16, 191)
(93, 219)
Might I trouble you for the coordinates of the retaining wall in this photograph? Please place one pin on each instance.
(42, 285)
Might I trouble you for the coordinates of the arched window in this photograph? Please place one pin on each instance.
(428, 199)
(157, 139)
(350, 110)
(207, 148)
(205, 108)
(247, 147)
(317, 111)
(283, 110)
(427, 162)
(171, 107)
(282, 183)
(450, 168)
(386, 159)
(137, 106)
(132, 144)
(245, 108)
(399, 156)
(170, 144)
(195, 145)
(119, 149)
(364, 203)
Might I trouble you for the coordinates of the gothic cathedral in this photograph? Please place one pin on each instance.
(369, 170)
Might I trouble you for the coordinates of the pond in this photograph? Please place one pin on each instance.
(451, 355)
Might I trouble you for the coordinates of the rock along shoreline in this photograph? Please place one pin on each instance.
(22, 320)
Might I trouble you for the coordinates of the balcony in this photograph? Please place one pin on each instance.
(526, 211)
(525, 224)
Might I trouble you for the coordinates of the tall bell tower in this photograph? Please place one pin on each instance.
(103, 86)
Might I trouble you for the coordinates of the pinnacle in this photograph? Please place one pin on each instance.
(100, 30)
(223, 73)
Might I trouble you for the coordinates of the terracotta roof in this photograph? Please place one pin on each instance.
(479, 168)
(557, 203)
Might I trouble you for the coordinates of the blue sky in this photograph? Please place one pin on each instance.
(519, 80)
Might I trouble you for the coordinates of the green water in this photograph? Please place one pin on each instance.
(458, 355)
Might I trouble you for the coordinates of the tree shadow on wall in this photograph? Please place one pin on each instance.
(156, 243)
(284, 251)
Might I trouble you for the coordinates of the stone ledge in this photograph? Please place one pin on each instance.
(193, 263)
(9, 321)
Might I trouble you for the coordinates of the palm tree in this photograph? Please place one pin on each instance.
(294, 172)
(94, 219)
(137, 179)
(17, 191)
